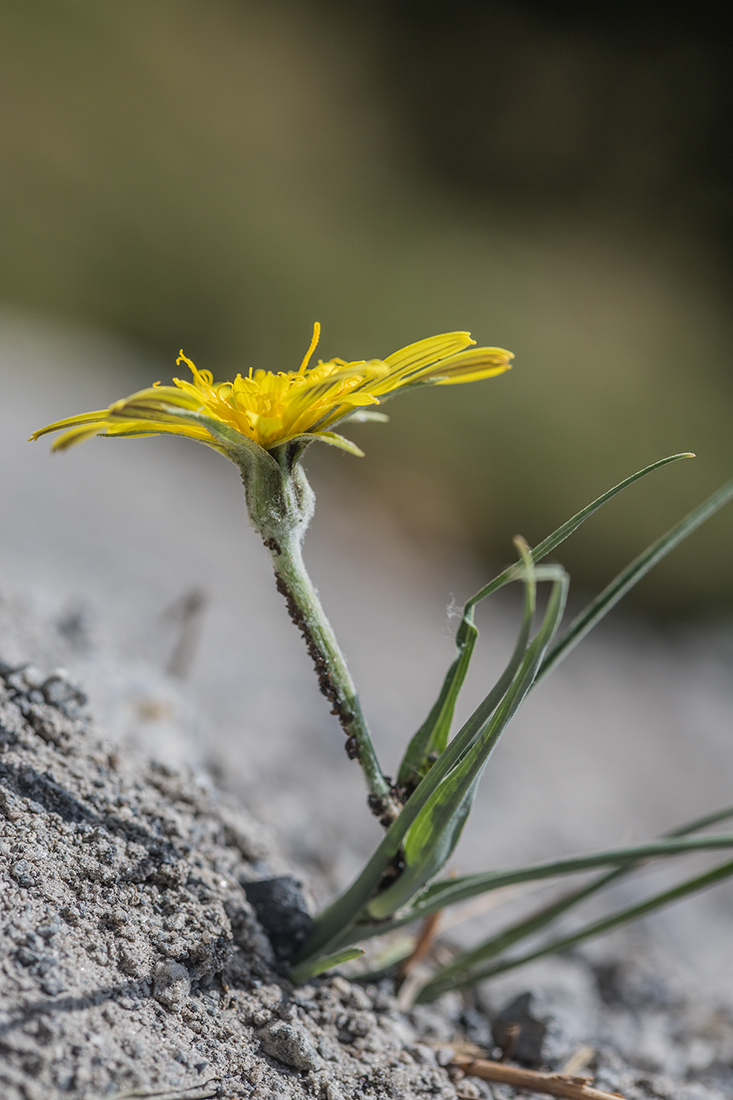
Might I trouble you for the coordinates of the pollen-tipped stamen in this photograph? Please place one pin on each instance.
(313, 345)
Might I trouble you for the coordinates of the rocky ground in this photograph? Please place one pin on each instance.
(131, 957)
(134, 963)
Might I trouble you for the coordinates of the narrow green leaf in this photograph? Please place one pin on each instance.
(453, 891)
(317, 966)
(566, 529)
(436, 830)
(438, 826)
(623, 916)
(631, 575)
(424, 907)
(698, 823)
(538, 920)
(432, 736)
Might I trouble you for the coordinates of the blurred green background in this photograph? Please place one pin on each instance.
(217, 174)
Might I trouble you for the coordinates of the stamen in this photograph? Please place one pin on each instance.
(184, 359)
(312, 348)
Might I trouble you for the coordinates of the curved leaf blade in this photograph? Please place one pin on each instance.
(432, 736)
(597, 928)
(320, 965)
(632, 574)
(437, 828)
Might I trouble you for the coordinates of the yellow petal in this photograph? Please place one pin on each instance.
(71, 422)
(76, 435)
(471, 366)
(425, 352)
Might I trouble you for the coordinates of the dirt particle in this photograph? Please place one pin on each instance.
(290, 1044)
(172, 984)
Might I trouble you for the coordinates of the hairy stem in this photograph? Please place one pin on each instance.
(333, 675)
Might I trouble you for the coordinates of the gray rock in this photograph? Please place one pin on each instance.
(519, 1031)
(172, 984)
(290, 1044)
(282, 911)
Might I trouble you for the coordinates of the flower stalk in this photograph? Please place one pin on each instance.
(281, 503)
(334, 678)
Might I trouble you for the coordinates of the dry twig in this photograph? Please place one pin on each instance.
(426, 935)
(551, 1084)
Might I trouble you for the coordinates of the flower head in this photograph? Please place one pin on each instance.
(270, 409)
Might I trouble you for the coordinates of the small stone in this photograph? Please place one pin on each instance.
(21, 872)
(26, 957)
(59, 691)
(519, 1032)
(52, 985)
(33, 1063)
(48, 931)
(172, 984)
(282, 911)
(289, 1044)
(327, 1049)
(129, 962)
(29, 678)
(360, 1023)
(422, 1054)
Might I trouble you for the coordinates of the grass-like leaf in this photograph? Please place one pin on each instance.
(453, 891)
(436, 830)
(538, 920)
(631, 575)
(456, 890)
(310, 969)
(434, 988)
(432, 736)
(535, 922)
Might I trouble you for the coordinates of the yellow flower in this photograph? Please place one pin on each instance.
(273, 409)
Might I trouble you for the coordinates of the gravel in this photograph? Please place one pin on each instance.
(132, 958)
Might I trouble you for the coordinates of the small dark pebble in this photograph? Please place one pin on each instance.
(282, 911)
(518, 1033)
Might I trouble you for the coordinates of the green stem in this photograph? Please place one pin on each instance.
(280, 503)
(334, 678)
